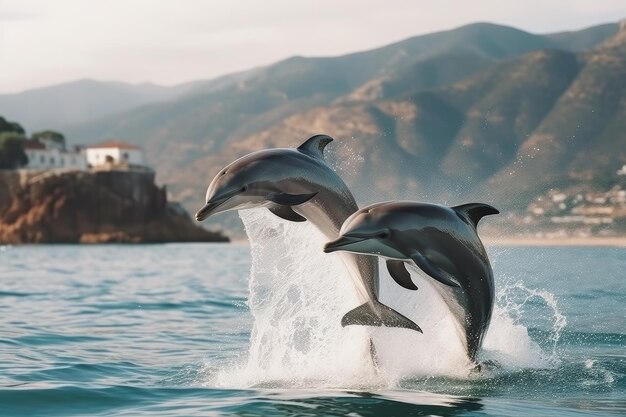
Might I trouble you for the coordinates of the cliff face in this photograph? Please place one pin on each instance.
(91, 207)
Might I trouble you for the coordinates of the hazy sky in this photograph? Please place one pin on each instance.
(45, 42)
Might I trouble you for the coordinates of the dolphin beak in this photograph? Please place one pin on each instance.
(338, 244)
(210, 208)
(205, 211)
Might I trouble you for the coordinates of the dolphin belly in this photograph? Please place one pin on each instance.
(471, 308)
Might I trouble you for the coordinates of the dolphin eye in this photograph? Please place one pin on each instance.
(383, 235)
(244, 188)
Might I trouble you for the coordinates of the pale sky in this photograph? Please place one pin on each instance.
(44, 42)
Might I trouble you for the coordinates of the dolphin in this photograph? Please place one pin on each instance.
(297, 185)
(442, 242)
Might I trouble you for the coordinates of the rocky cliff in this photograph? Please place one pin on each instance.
(91, 207)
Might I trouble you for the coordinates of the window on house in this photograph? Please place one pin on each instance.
(52, 160)
(42, 159)
(126, 156)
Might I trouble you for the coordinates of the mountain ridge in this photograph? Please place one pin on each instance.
(482, 112)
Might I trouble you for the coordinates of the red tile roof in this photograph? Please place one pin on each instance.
(113, 144)
(33, 144)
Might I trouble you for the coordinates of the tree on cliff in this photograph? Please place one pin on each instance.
(12, 153)
(6, 126)
(50, 135)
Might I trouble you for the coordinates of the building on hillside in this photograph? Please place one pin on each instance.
(48, 154)
(114, 152)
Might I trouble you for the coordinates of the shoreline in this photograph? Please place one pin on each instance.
(617, 242)
(594, 241)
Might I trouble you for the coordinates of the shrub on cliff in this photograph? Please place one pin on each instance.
(6, 126)
(12, 153)
(49, 135)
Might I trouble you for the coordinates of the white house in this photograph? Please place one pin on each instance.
(114, 152)
(47, 154)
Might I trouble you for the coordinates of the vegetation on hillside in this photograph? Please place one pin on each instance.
(13, 127)
(12, 137)
(11, 145)
(51, 135)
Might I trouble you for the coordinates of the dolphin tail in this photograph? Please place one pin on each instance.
(377, 314)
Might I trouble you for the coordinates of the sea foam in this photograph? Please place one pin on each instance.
(298, 295)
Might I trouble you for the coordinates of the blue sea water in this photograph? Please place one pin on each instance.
(127, 330)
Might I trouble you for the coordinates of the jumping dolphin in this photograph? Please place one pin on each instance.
(442, 242)
(297, 185)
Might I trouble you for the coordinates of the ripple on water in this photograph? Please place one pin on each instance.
(134, 330)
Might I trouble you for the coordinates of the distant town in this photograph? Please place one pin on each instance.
(575, 212)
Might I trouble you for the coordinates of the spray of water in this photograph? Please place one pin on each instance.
(509, 314)
(297, 298)
(298, 295)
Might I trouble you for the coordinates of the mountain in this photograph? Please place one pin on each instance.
(584, 39)
(300, 83)
(479, 112)
(62, 105)
(548, 118)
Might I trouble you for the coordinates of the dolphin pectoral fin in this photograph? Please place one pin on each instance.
(379, 315)
(400, 274)
(285, 199)
(314, 146)
(285, 212)
(434, 271)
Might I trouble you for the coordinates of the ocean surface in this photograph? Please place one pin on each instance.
(196, 329)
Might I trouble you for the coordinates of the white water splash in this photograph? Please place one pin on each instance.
(507, 340)
(298, 295)
(297, 298)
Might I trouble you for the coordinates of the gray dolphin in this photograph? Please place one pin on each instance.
(442, 242)
(297, 185)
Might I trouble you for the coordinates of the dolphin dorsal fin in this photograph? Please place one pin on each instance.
(475, 211)
(314, 146)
